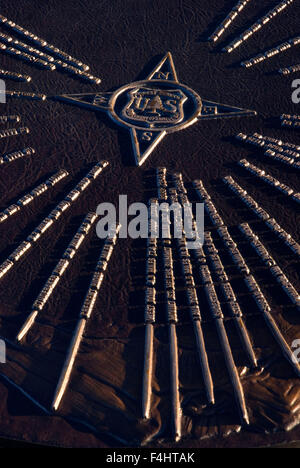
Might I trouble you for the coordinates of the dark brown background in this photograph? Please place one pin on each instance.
(122, 41)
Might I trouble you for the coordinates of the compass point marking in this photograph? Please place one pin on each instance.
(155, 107)
(165, 70)
(144, 143)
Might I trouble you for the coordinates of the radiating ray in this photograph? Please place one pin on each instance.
(171, 307)
(269, 261)
(271, 52)
(43, 44)
(16, 44)
(282, 158)
(10, 75)
(262, 214)
(233, 305)
(192, 298)
(14, 132)
(74, 71)
(32, 59)
(150, 316)
(172, 319)
(286, 153)
(56, 275)
(7, 158)
(272, 13)
(20, 49)
(50, 220)
(84, 316)
(291, 123)
(232, 15)
(24, 95)
(32, 195)
(25, 51)
(276, 184)
(256, 292)
(270, 142)
(289, 70)
(295, 118)
(218, 318)
(216, 311)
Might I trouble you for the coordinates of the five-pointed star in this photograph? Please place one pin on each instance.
(152, 108)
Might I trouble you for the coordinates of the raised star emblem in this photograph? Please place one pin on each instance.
(152, 108)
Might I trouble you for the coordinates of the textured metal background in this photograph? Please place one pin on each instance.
(122, 41)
